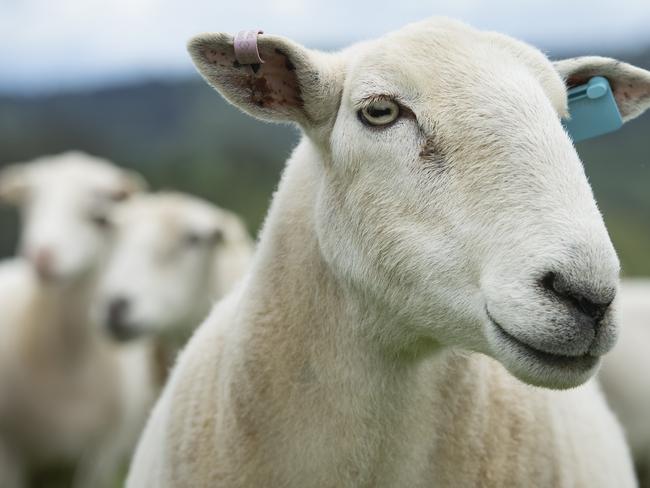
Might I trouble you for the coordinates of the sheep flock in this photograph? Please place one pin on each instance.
(433, 299)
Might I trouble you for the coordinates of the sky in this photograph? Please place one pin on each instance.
(54, 44)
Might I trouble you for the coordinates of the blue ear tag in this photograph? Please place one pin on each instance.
(592, 109)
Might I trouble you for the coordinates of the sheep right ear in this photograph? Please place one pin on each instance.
(630, 85)
(291, 84)
(13, 184)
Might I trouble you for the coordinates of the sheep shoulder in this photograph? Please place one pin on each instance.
(191, 393)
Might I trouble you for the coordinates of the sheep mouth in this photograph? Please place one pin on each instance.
(582, 362)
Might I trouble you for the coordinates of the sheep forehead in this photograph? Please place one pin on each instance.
(164, 218)
(74, 171)
(447, 62)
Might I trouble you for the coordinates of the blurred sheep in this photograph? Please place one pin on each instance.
(174, 256)
(625, 371)
(433, 187)
(68, 396)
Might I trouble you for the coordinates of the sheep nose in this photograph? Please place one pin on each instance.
(43, 261)
(590, 303)
(117, 318)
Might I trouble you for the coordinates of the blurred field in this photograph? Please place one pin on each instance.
(182, 135)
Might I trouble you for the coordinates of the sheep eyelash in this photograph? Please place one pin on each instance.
(368, 99)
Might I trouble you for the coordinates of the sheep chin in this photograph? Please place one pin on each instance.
(539, 368)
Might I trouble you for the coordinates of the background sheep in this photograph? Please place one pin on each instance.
(624, 374)
(67, 395)
(434, 210)
(174, 256)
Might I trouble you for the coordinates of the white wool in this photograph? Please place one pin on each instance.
(624, 374)
(399, 300)
(68, 396)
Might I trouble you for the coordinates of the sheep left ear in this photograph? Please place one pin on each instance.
(630, 85)
(292, 84)
(130, 182)
(13, 184)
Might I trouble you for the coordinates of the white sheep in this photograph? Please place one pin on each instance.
(174, 255)
(68, 396)
(433, 241)
(624, 374)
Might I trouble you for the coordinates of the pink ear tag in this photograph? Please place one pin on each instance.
(246, 51)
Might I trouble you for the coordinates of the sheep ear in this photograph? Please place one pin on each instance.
(291, 84)
(130, 183)
(630, 85)
(13, 184)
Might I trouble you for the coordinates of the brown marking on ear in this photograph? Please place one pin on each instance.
(220, 58)
(287, 64)
(576, 80)
(273, 84)
(281, 87)
(260, 92)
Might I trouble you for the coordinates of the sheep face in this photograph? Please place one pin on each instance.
(65, 202)
(449, 196)
(158, 277)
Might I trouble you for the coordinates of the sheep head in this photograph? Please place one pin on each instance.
(158, 278)
(450, 198)
(65, 202)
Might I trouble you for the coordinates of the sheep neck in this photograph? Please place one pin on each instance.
(316, 360)
(61, 331)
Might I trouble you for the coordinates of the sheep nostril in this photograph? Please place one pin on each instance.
(593, 308)
(548, 282)
(117, 318)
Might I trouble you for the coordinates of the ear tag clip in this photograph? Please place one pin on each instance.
(246, 51)
(592, 109)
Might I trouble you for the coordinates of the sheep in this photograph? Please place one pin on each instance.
(624, 374)
(68, 396)
(173, 256)
(430, 288)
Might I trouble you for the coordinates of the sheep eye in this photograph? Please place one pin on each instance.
(101, 221)
(193, 239)
(217, 236)
(379, 113)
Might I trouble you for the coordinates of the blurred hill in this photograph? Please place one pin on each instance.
(182, 135)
